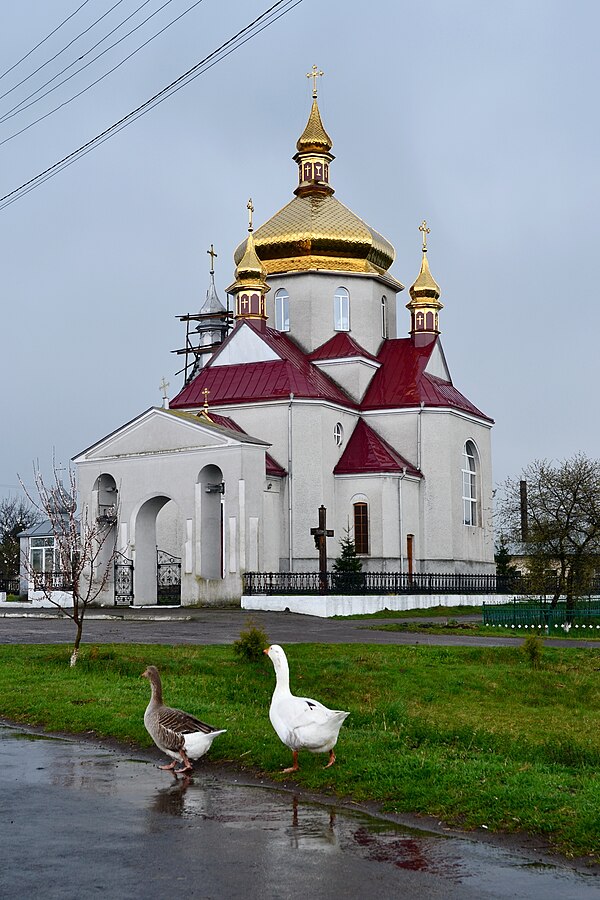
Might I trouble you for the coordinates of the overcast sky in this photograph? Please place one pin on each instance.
(481, 118)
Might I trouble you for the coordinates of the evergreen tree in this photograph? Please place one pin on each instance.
(348, 576)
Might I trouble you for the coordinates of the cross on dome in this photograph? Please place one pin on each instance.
(250, 207)
(213, 256)
(314, 75)
(425, 231)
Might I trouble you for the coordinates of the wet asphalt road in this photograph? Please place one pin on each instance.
(223, 626)
(82, 819)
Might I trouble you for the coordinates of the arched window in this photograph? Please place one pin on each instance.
(341, 310)
(282, 310)
(361, 528)
(338, 433)
(384, 317)
(470, 492)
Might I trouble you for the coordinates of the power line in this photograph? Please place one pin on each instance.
(17, 106)
(43, 41)
(250, 31)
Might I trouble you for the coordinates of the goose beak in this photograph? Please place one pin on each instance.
(267, 650)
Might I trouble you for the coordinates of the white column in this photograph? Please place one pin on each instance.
(242, 501)
(232, 544)
(188, 562)
(198, 512)
(253, 544)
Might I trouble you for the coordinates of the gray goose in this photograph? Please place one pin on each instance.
(177, 733)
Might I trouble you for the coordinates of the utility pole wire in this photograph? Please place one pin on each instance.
(21, 107)
(59, 52)
(266, 19)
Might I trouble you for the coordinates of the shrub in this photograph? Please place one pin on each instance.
(532, 648)
(253, 640)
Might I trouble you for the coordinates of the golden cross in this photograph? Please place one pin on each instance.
(314, 75)
(206, 392)
(423, 227)
(213, 256)
(250, 207)
(163, 387)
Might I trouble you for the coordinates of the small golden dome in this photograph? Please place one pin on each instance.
(314, 138)
(250, 266)
(425, 287)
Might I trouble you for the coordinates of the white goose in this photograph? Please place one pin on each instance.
(299, 722)
(176, 733)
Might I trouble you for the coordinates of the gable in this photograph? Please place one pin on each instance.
(436, 364)
(158, 431)
(245, 345)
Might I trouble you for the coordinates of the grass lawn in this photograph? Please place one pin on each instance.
(474, 736)
(445, 612)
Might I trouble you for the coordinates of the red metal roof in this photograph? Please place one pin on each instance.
(271, 380)
(367, 452)
(401, 381)
(272, 467)
(340, 346)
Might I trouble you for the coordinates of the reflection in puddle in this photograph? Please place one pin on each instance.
(276, 821)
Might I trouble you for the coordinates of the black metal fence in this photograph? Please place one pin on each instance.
(9, 585)
(398, 583)
(52, 581)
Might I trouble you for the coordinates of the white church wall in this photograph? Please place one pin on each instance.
(449, 545)
(168, 481)
(311, 306)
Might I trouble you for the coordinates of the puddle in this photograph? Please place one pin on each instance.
(130, 810)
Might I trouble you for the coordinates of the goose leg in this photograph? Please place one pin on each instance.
(187, 765)
(295, 766)
(331, 759)
(170, 767)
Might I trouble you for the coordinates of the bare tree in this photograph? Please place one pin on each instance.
(16, 514)
(84, 549)
(556, 520)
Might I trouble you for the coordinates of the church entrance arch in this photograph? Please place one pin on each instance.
(212, 487)
(157, 540)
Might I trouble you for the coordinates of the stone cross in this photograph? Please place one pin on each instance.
(425, 230)
(314, 75)
(320, 535)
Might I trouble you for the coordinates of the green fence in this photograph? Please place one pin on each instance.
(533, 614)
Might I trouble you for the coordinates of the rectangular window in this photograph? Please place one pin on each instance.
(361, 528)
(282, 311)
(341, 310)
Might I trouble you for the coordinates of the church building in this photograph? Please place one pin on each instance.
(302, 396)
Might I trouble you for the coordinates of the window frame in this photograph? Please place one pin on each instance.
(360, 514)
(470, 485)
(282, 310)
(341, 309)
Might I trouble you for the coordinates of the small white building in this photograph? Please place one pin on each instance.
(310, 400)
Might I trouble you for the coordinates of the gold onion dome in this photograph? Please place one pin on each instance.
(315, 230)
(425, 287)
(314, 137)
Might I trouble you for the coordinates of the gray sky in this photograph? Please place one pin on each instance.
(481, 118)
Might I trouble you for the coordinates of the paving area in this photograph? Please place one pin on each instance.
(185, 625)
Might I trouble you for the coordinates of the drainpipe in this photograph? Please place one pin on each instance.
(401, 535)
(290, 485)
(419, 437)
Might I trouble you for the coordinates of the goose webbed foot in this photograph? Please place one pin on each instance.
(295, 766)
(170, 767)
(331, 759)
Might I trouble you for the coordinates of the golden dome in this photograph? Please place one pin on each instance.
(319, 232)
(314, 230)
